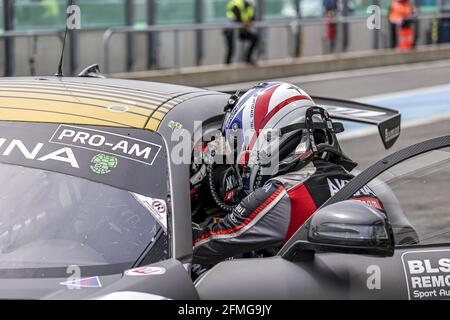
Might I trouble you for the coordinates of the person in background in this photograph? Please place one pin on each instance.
(330, 7)
(242, 12)
(51, 9)
(401, 15)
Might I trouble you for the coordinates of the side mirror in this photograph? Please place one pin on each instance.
(344, 227)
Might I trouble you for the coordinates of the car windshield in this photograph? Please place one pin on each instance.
(64, 202)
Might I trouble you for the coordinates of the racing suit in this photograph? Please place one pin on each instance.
(270, 215)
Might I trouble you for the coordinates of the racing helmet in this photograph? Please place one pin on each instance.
(275, 128)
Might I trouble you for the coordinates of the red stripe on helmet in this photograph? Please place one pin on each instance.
(261, 109)
(262, 106)
(271, 114)
(281, 106)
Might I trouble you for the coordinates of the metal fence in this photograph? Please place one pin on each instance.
(295, 30)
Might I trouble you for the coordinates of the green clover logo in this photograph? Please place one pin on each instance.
(103, 164)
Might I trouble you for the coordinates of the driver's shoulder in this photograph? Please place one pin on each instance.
(293, 179)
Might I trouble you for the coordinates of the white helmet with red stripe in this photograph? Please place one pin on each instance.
(274, 127)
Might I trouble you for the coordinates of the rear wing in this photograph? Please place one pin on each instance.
(387, 120)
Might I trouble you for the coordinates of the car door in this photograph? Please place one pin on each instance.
(413, 186)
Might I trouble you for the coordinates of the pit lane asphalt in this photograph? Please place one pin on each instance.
(358, 84)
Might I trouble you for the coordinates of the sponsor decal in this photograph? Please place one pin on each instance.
(330, 125)
(252, 113)
(34, 152)
(427, 274)
(175, 125)
(232, 217)
(391, 134)
(231, 183)
(239, 209)
(267, 187)
(103, 164)
(145, 271)
(237, 213)
(106, 143)
(156, 207)
(371, 201)
(92, 282)
(357, 113)
(31, 146)
(159, 206)
(337, 184)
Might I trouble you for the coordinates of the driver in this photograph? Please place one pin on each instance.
(287, 163)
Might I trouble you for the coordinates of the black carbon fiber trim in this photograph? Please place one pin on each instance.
(379, 167)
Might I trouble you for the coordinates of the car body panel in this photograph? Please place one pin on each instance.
(328, 276)
(173, 283)
(90, 101)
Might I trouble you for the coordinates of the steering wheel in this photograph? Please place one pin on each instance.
(224, 186)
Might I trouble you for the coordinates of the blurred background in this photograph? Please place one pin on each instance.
(134, 35)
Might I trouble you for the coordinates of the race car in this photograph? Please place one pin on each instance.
(96, 204)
